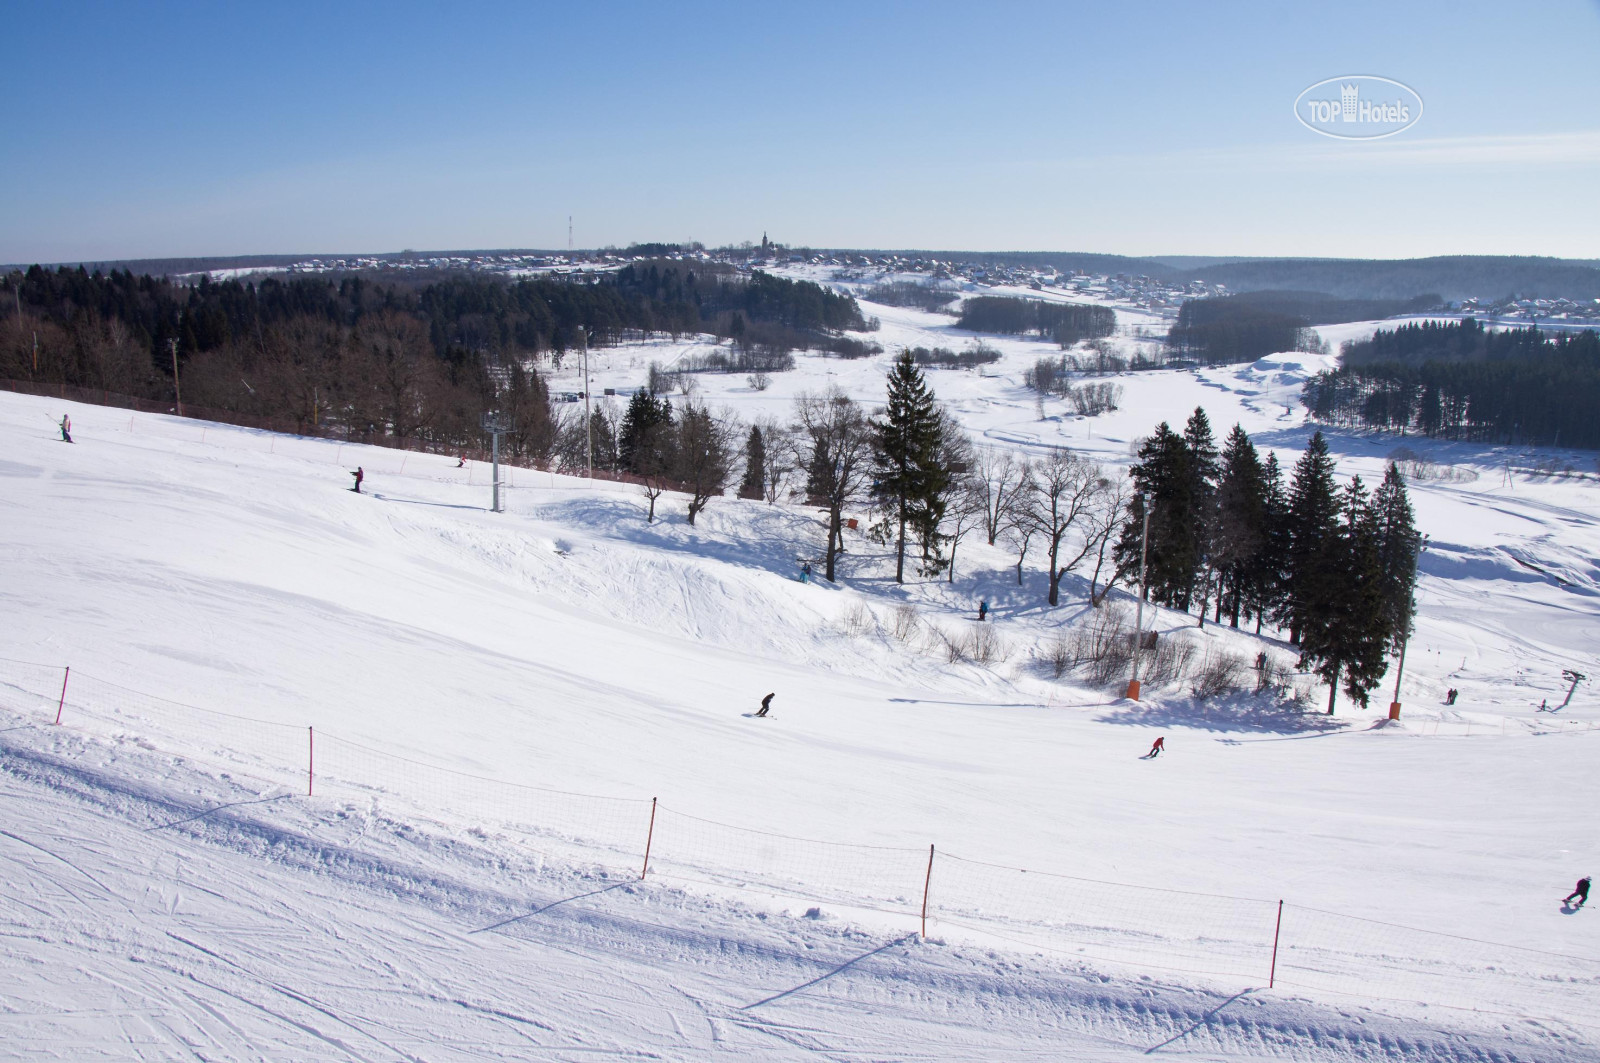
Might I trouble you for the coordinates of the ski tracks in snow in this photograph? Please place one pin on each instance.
(196, 919)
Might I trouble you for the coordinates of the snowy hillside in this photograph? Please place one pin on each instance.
(460, 666)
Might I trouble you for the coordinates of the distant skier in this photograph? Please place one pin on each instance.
(766, 703)
(461, 462)
(1450, 696)
(805, 572)
(66, 429)
(1581, 893)
(359, 475)
(983, 611)
(1156, 747)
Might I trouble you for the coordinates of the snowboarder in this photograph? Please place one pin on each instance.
(766, 703)
(983, 611)
(805, 572)
(66, 428)
(1156, 747)
(359, 475)
(1582, 893)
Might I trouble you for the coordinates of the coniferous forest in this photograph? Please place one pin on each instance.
(409, 363)
(1066, 323)
(1332, 566)
(1459, 380)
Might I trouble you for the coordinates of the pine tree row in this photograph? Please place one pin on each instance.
(1335, 567)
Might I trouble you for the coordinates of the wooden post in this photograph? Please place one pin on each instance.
(311, 759)
(1272, 975)
(648, 839)
(67, 674)
(927, 880)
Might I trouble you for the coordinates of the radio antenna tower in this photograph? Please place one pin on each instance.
(569, 232)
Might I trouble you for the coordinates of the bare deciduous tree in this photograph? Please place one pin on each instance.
(836, 441)
(1066, 489)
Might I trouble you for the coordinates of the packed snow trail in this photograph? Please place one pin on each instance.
(152, 911)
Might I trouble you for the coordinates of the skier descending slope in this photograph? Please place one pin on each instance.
(66, 428)
(1581, 893)
(766, 703)
(359, 475)
(1156, 748)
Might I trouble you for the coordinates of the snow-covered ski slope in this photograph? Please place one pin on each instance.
(170, 891)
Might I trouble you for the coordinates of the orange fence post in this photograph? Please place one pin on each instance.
(927, 880)
(1272, 975)
(648, 839)
(67, 674)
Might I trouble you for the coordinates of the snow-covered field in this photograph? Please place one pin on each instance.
(171, 892)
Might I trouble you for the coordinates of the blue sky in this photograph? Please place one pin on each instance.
(162, 129)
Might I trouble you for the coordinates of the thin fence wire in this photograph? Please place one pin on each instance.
(1214, 936)
(882, 878)
(1195, 933)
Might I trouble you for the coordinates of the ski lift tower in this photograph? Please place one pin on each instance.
(497, 425)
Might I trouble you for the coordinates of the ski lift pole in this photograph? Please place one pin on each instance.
(1400, 667)
(496, 425)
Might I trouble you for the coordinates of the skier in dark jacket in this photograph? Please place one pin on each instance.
(359, 475)
(1582, 892)
(766, 703)
(983, 611)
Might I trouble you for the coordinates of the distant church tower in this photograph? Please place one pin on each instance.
(766, 244)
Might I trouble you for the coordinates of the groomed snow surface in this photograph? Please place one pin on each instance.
(497, 698)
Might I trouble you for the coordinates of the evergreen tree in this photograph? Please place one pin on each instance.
(1398, 543)
(1241, 528)
(1265, 580)
(700, 455)
(1162, 480)
(641, 442)
(1312, 563)
(910, 476)
(1351, 640)
(1201, 495)
(755, 466)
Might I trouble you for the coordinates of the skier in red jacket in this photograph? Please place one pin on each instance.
(359, 475)
(1156, 747)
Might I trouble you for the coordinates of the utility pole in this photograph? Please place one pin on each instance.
(177, 390)
(588, 419)
(1138, 623)
(496, 426)
(1394, 706)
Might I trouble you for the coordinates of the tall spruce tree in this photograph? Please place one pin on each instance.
(1352, 638)
(910, 476)
(1241, 528)
(641, 442)
(1161, 481)
(1201, 516)
(1266, 575)
(754, 484)
(1398, 542)
(1312, 561)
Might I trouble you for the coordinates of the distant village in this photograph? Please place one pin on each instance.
(862, 269)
